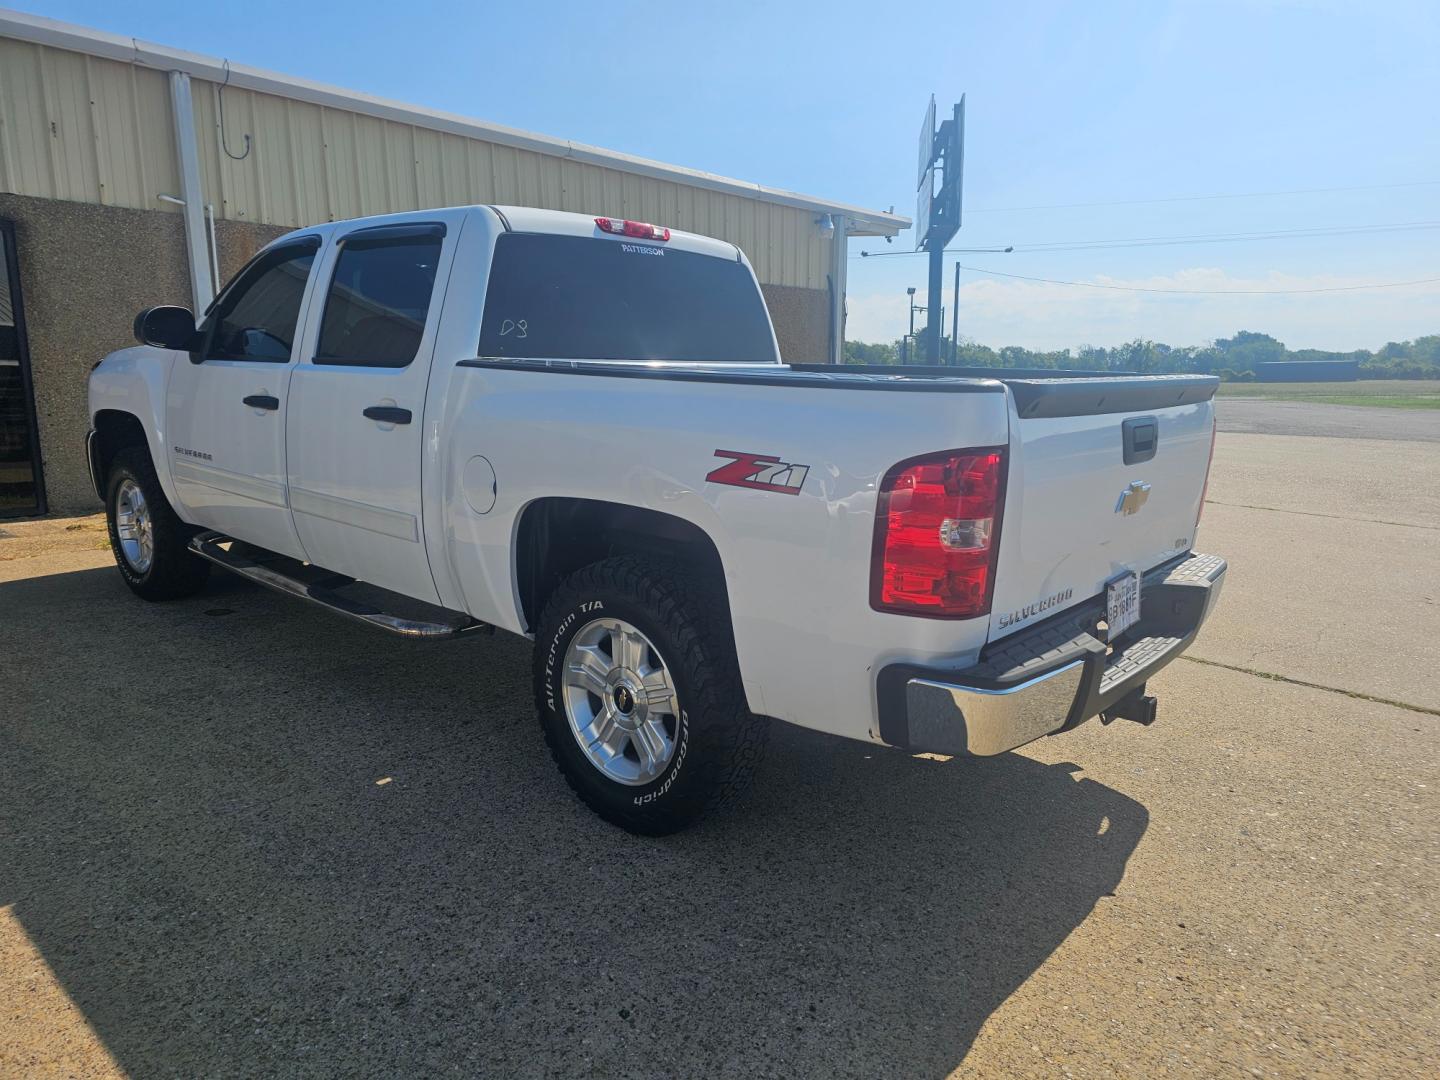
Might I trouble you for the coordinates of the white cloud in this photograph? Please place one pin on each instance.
(999, 311)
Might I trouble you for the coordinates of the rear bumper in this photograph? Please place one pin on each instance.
(1051, 677)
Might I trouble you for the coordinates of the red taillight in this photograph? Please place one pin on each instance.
(641, 230)
(937, 531)
(1205, 487)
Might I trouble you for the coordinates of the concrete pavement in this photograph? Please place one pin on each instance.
(240, 837)
(1334, 547)
(1257, 416)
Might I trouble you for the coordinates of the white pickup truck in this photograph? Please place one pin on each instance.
(579, 430)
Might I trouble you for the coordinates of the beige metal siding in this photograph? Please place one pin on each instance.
(308, 163)
(84, 128)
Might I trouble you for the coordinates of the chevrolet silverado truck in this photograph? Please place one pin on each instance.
(580, 430)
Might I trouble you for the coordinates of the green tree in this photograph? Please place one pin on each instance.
(1230, 358)
(1246, 349)
(860, 352)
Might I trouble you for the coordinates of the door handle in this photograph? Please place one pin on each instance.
(388, 414)
(1139, 439)
(263, 401)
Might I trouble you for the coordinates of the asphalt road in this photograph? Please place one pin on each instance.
(238, 837)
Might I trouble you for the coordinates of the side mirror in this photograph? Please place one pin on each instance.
(166, 328)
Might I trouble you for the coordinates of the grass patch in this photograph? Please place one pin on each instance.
(1377, 393)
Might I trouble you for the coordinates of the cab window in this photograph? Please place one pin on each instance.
(588, 298)
(379, 296)
(255, 317)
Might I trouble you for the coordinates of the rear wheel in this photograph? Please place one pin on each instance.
(639, 696)
(150, 543)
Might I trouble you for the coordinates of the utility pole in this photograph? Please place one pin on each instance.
(955, 320)
(955, 308)
(905, 345)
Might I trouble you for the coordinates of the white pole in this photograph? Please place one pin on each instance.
(214, 251)
(839, 250)
(182, 112)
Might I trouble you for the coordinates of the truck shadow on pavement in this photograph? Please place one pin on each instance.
(248, 838)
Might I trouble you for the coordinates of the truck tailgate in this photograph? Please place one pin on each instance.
(1106, 476)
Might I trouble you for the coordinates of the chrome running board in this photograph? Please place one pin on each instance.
(368, 604)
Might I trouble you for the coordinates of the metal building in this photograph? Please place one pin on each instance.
(134, 174)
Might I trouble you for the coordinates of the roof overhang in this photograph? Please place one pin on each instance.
(81, 39)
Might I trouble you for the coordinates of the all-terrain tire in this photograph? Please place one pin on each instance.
(717, 741)
(173, 571)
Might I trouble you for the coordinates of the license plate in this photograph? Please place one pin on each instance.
(1122, 604)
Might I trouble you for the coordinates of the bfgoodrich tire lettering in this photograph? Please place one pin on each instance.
(716, 740)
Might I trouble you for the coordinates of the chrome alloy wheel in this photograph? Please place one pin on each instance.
(134, 527)
(621, 702)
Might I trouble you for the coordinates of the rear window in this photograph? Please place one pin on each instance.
(580, 298)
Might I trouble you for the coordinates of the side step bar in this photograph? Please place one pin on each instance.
(368, 604)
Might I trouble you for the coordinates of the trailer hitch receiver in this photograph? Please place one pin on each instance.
(1136, 705)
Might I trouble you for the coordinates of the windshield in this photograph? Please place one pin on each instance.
(582, 298)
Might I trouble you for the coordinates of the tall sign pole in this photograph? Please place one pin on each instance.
(933, 321)
(937, 211)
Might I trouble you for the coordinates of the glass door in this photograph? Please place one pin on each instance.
(21, 488)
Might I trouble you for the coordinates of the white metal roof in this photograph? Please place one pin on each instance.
(43, 31)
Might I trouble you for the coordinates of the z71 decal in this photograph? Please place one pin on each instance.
(760, 471)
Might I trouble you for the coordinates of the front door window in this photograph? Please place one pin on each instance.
(255, 317)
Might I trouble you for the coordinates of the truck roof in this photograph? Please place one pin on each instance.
(564, 223)
(531, 219)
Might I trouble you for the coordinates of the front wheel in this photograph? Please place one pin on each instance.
(150, 543)
(639, 696)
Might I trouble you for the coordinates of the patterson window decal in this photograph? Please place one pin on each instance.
(760, 471)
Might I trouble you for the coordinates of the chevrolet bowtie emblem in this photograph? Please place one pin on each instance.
(1132, 498)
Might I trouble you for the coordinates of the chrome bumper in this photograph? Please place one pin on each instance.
(1051, 677)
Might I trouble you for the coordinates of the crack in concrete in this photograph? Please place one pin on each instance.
(1312, 513)
(1356, 694)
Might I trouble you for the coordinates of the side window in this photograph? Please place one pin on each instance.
(255, 317)
(379, 296)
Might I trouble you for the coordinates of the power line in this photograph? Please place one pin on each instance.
(1221, 238)
(1196, 238)
(1202, 292)
(1205, 198)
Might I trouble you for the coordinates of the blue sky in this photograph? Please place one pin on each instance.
(1067, 103)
